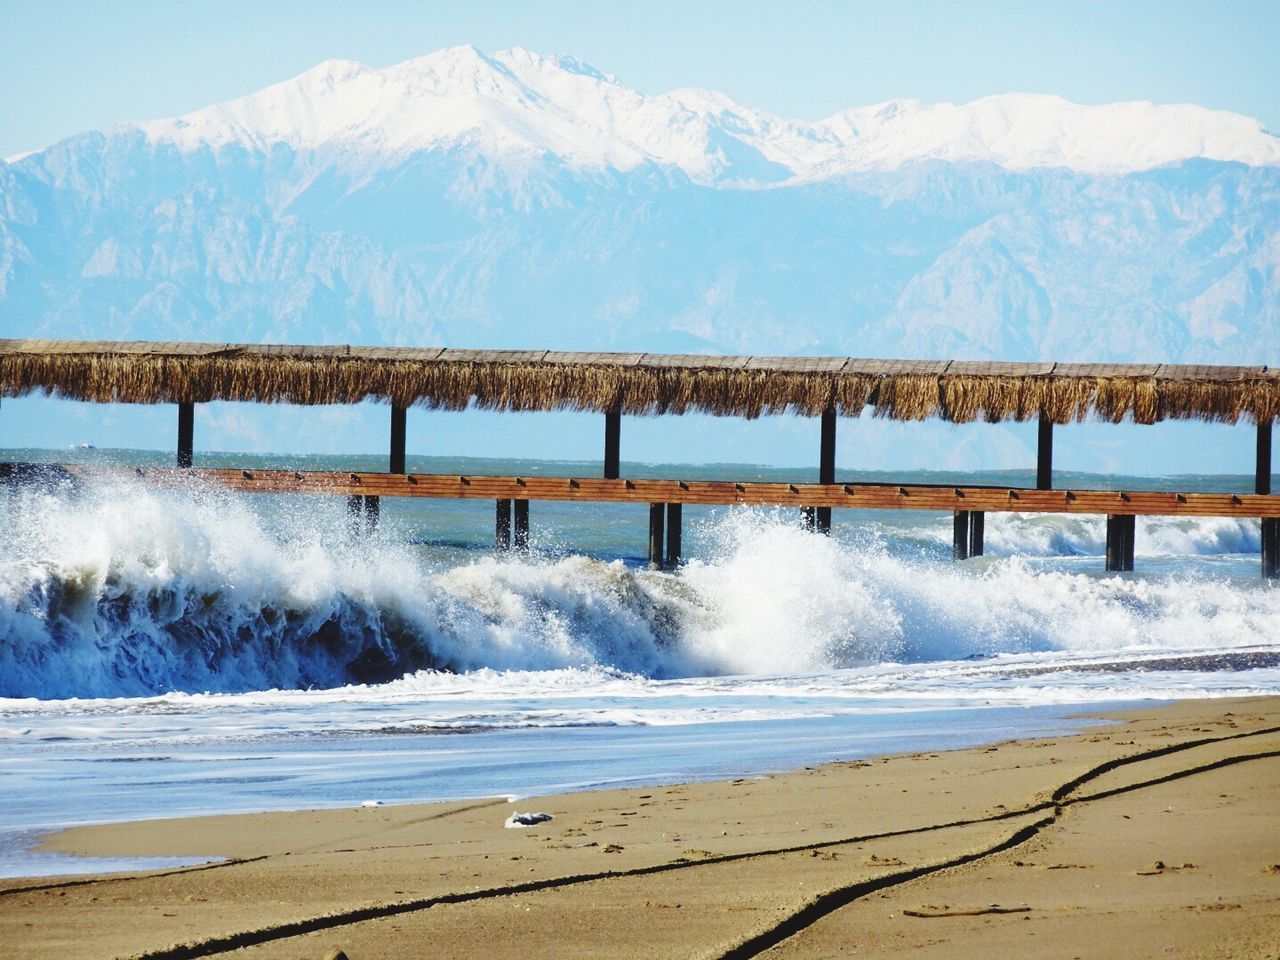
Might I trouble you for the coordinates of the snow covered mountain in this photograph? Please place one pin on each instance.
(522, 200)
(518, 103)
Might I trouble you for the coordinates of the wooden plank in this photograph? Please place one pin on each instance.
(997, 368)
(1203, 372)
(694, 361)
(865, 496)
(796, 364)
(452, 355)
(890, 368)
(1131, 370)
(575, 358)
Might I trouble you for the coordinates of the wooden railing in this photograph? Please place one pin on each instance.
(968, 504)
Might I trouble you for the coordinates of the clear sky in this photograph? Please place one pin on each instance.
(73, 65)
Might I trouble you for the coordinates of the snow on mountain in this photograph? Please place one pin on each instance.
(1025, 131)
(517, 104)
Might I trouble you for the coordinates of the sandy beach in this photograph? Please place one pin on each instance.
(1154, 836)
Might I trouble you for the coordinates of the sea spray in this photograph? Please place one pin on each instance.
(1059, 535)
(129, 590)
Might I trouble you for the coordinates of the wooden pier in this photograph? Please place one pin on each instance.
(640, 384)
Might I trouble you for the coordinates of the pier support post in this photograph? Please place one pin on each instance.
(362, 514)
(1262, 474)
(186, 433)
(656, 512)
(502, 526)
(355, 514)
(826, 466)
(1044, 454)
(977, 531)
(675, 514)
(521, 533)
(1271, 548)
(1270, 525)
(612, 444)
(396, 460)
(1120, 536)
(809, 517)
(960, 535)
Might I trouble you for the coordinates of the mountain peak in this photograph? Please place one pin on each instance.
(334, 71)
(519, 104)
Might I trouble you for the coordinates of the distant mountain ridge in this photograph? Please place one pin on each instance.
(516, 102)
(519, 200)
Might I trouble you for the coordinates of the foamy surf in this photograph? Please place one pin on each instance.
(130, 591)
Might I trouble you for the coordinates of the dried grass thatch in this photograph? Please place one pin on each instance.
(635, 383)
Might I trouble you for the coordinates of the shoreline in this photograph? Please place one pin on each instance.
(288, 774)
(1159, 827)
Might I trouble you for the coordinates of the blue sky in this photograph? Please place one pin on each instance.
(73, 65)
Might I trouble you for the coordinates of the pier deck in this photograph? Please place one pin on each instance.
(614, 384)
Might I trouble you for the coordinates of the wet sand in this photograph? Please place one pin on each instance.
(1157, 836)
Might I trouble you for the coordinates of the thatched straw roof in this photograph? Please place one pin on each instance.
(635, 383)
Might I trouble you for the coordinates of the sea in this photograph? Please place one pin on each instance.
(168, 652)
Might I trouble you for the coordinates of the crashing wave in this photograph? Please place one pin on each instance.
(130, 591)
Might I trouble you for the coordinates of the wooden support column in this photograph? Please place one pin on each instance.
(502, 526)
(960, 535)
(977, 532)
(396, 460)
(675, 514)
(372, 510)
(186, 433)
(355, 514)
(656, 513)
(1044, 454)
(612, 444)
(809, 517)
(521, 511)
(1271, 548)
(1270, 525)
(1262, 473)
(1120, 537)
(826, 466)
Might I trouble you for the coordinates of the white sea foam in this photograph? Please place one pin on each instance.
(130, 591)
(1056, 535)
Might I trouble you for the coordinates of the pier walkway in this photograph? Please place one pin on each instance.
(647, 384)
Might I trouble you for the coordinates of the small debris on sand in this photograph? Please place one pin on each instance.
(518, 820)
